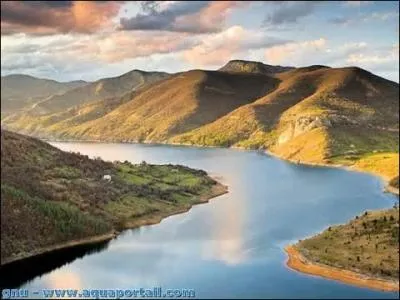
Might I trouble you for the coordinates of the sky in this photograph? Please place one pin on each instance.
(82, 40)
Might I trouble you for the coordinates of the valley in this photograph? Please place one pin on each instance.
(316, 115)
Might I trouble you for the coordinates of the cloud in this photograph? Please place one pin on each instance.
(278, 54)
(181, 16)
(360, 58)
(341, 20)
(357, 3)
(100, 47)
(89, 57)
(375, 58)
(371, 17)
(381, 61)
(217, 49)
(309, 52)
(58, 54)
(289, 12)
(380, 16)
(123, 45)
(52, 17)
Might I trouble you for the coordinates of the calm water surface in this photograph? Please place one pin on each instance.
(232, 246)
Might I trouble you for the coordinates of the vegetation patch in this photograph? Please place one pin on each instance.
(58, 197)
(368, 244)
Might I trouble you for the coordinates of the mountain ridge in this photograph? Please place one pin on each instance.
(246, 66)
(100, 89)
(14, 98)
(313, 114)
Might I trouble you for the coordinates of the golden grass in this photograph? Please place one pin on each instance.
(309, 147)
(382, 164)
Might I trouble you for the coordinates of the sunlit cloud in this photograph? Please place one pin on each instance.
(217, 49)
(181, 16)
(68, 40)
(47, 18)
(357, 3)
(280, 53)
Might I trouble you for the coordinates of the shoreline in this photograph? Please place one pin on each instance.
(216, 191)
(70, 244)
(296, 261)
(387, 187)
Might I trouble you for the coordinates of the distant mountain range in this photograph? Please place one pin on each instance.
(315, 114)
(19, 91)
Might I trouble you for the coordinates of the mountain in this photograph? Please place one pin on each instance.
(62, 199)
(18, 91)
(316, 114)
(320, 115)
(98, 90)
(314, 94)
(175, 105)
(245, 66)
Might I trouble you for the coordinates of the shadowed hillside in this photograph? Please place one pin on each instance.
(101, 89)
(178, 104)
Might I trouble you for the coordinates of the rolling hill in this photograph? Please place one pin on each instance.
(81, 104)
(316, 114)
(98, 90)
(18, 91)
(320, 115)
(175, 105)
(61, 199)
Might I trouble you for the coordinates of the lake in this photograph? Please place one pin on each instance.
(231, 247)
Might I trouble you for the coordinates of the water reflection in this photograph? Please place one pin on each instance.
(232, 246)
(23, 271)
(64, 279)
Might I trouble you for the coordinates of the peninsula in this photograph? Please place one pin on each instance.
(364, 252)
(66, 199)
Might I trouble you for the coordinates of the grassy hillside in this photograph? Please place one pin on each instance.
(81, 104)
(50, 197)
(19, 91)
(51, 125)
(315, 114)
(178, 104)
(368, 244)
(98, 90)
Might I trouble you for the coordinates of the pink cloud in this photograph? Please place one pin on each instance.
(46, 18)
(216, 49)
(278, 54)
